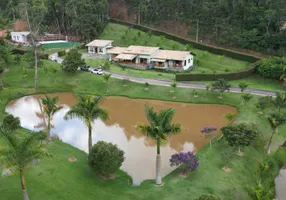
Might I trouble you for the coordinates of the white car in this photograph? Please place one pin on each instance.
(97, 71)
(53, 58)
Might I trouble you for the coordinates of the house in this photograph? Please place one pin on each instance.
(168, 59)
(139, 56)
(115, 51)
(99, 46)
(20, 37)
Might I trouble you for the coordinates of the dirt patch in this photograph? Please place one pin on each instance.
(226, 169)
(72, 159)
(109, 177)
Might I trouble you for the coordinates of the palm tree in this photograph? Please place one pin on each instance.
(159, 128)
(88, 110)
(279, 101)
(275, 120)
(22, 152)
(50, 108)
(106, 78)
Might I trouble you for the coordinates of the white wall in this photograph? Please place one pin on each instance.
(18, 37)
(189, 62)
(102, 49)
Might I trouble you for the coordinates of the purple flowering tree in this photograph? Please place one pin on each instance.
(188, 160)
(208, 131)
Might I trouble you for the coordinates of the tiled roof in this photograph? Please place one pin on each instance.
(142, 50)
(116, 50)
(99, 43)
(171, 55)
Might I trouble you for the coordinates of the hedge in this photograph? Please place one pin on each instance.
(209, 48)
(212, 77)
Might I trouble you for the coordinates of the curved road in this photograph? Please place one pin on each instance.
(186, 85)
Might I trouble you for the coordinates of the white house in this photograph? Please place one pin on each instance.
(20, 37)
(169, 59)
(139, 56)
(99, 46)
(115, 51)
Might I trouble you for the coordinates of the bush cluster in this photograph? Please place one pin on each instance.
(272, 68)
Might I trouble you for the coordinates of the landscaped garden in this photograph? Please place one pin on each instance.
(55, 177)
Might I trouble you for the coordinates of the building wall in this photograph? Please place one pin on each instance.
(18, 37)
(100, 50)
(189, 62)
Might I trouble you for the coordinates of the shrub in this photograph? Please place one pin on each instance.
(105, 158)
(188, 160)
(106, 65)
(11, 123)
(208, 197)
(146, 84)
(280, 156)
(272, 68)
(61, 53)
(264, 102)
(44, 56)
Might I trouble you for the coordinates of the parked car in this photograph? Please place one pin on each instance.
(53, 58)
(97, 71)
(85, 68)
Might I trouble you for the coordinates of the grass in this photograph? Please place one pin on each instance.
(205, 62)
(56, 178)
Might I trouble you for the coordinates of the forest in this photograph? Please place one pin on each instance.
(252, 24)
(259, 25)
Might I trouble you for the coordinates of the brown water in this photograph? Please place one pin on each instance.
(280, 184)
(124, 113)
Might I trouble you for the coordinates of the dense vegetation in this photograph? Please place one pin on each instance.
(253, 24)
(85, 18)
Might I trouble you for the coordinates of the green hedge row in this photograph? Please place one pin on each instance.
(213, 77)
(197, 45)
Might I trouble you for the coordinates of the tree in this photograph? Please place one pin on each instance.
(72, 61)
(174, 86)
(275, 120)
(208, 86)
(11, 123)
(245, 98)
(208, 197)
(243, 86)
(50, 108)
(106, 78)
(230, 117)
(227, 155)
(105, 158)
(20, 153)
(279, 101)
(221, 85)
(239, 135)
(188, 160)
(207, 131)
(159, 128)
(5, 52)
(87, 109)
(33, 12)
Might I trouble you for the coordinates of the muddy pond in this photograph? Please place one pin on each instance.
(124, 113)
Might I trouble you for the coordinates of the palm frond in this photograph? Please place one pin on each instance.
(151, 115)
(146, 130)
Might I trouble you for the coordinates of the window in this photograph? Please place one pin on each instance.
(189, 60)
(185, 62)
(14, 37)
(17, 37)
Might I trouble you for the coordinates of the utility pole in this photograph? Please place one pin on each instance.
(139, 15)
(197, 34)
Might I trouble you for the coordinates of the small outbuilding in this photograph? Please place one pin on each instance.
(99, 46)
(20, 37)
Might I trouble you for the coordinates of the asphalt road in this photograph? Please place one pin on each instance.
(179, 84)
(188, 85)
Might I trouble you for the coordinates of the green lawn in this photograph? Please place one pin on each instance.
(57, 178)
(205, 61)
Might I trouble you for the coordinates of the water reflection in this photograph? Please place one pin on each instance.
(124, 113)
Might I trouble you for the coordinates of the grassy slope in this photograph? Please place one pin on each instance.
(56, 178)
(207, 62)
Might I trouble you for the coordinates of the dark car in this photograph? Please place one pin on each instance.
(85, 68)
